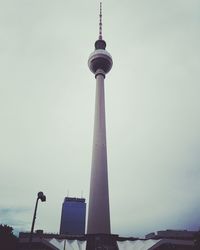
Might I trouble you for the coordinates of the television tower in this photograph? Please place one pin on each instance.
(100, 63)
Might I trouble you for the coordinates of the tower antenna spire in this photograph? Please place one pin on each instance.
(100, 22)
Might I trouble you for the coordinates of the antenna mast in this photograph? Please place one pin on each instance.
(100, 22)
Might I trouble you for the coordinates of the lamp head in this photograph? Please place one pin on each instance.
(41, 196)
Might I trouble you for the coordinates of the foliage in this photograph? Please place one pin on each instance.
(197, 240)
(8, 241)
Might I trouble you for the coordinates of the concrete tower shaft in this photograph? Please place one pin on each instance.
(99, 212)
(100, 63)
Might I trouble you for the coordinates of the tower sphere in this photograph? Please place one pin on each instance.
(100, 59)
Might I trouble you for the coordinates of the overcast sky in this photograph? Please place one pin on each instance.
(152, 110)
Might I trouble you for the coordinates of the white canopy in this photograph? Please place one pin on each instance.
(81, 245)
(136, 244)
(67, 244)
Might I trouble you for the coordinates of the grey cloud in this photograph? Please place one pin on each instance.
(15, 217)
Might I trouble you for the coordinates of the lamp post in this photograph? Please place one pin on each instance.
(42, 197)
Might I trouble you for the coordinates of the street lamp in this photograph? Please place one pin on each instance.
(42, 197)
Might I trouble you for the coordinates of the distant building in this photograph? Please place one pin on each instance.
(172, 234)
(174, 239)
(73, 216)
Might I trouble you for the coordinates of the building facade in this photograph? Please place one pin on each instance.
(73, 216)
(44, 241)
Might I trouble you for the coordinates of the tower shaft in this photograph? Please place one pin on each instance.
(99, 212)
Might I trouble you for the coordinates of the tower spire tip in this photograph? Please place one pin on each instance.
(100, 43)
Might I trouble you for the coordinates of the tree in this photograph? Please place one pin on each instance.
(197, 240)
(8, 241)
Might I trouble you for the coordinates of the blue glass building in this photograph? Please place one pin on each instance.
(73, 216)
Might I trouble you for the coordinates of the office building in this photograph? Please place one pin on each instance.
(73, 216)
